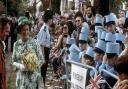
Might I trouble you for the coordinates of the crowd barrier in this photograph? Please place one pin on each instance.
(78, 76)
(77, 72)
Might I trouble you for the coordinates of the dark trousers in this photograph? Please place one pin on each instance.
(44, 67)
(55, 64)
(13, 39)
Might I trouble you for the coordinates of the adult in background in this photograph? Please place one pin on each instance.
(4, 32)
(43, 38)
(13, 33)
(79, 22)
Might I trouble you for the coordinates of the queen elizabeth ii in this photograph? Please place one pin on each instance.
(27, 58)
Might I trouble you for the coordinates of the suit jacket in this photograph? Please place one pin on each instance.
(2, 68)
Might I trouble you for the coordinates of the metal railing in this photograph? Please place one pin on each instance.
(109, 73)
(80, 65)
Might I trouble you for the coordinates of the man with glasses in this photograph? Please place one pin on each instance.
(79, 22)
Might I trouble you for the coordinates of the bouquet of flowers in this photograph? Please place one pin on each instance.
(30, 60)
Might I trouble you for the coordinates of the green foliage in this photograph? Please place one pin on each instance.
(15, 7)
(2, 8)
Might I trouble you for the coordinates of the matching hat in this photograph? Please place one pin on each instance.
(69, 40)
(83, 35)
(99, 20)
(103, 35)
(110, 19)
(100, 45)
(112, 48)
(23, 20)
(85, 30)
(83, 38)
(126, 14)
(74, 53)
(110, 37)
(98, 28)
(90, 52)
(120, 38)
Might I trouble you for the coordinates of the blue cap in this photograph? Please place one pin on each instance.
(84, 34)
(112, 48)
(90, 52)
(120, 37)
(101, 45)
(103, 34)
(69, 40)
(99, 32)
(85, 30)
(83, 37)
(74, 48)
(99, 20)
(74, 53)
(98, 28)
(126, 14)
(110, 19)
(110, 37)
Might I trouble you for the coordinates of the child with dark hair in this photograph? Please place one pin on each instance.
(121, 67)
(88, 58)
(112, 51)
(99, 49)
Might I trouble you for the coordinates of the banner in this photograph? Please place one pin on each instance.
(78, 77)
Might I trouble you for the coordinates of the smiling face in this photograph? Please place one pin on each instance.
(4, 31)
(24, 32)
(89, 11)
(78, 21)
(65, 29)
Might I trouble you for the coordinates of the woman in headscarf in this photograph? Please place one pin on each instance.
(27, 58)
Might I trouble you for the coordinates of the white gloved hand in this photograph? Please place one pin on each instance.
(19, 66)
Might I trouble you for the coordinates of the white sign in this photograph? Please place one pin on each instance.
(78, 77)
